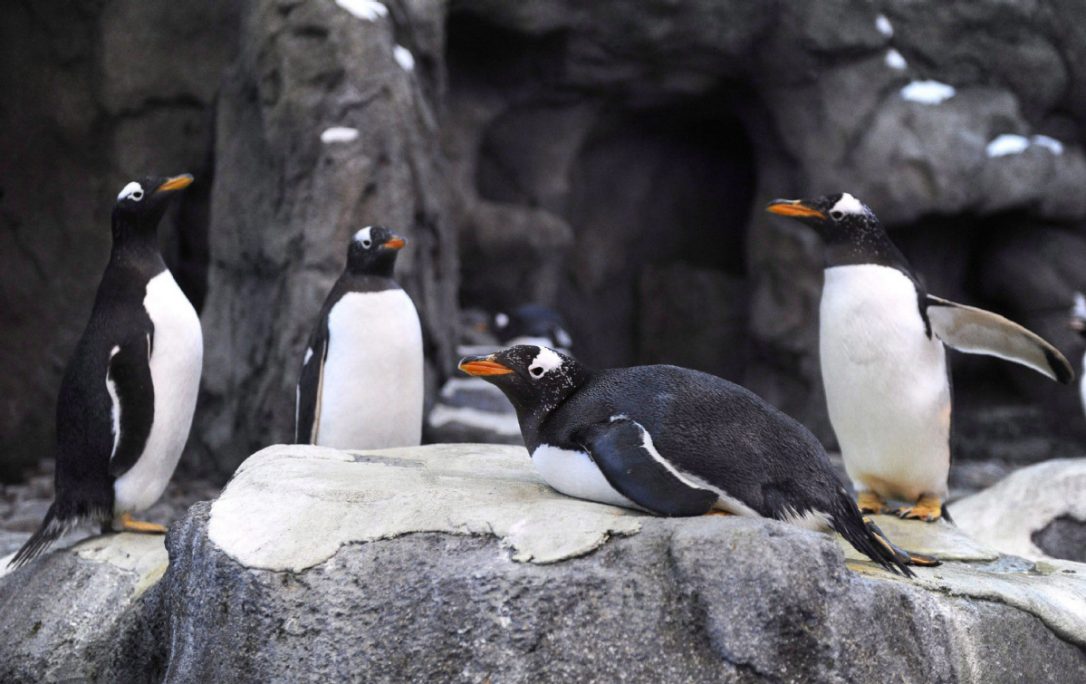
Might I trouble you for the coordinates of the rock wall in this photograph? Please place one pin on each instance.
(607, 159)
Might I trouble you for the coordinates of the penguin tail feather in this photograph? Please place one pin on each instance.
(51, 529)
(866, 537)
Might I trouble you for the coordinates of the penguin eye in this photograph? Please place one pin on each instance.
(137, 195)
(837, 215)
(536, 371)
(366, 243)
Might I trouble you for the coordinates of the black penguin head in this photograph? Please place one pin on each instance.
(535, 379)
(531, 324)
(141, 204)
(851, 231)
(373, 251)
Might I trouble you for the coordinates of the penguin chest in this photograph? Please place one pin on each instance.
(572, 472)
(372, 384)
(885, 380)
(176, 361)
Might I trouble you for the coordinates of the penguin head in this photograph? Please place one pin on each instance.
(534, 378)
(838, 218)
(531, 324)
(141, 203)
(373, 251)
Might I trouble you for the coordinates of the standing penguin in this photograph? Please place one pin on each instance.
(129, 392)
(881, 338)
(361, 384)
(674, 442)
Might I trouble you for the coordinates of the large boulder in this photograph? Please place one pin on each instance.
(456, 563)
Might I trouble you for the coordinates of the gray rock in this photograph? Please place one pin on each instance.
(454, 563)
(1036, 512)
(285, 203)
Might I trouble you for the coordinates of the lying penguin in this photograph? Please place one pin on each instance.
(471, 410)
(361, 382)
(675, 442)
(129, 391)
(884, 368)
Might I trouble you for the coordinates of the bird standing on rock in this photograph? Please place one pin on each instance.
(674, 442)
(129, 391)
(881, 338)
(361, 384)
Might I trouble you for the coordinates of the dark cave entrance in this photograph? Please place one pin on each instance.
(655, 187)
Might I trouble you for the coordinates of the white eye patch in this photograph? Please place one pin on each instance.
(848, 205)
(501, 320)
(544, 362)
(363, 237)
(133, 190)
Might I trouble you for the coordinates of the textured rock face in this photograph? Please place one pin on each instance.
(1036, 512)
(321, 131)
(438, 563)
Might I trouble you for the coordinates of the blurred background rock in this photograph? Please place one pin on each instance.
(608, 159)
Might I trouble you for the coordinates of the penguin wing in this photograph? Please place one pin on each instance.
(132, 393)
(623, 451)
(976, 331)
(307, 409)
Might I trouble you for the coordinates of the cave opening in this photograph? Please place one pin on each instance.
(655, 189)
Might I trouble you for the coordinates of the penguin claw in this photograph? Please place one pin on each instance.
(928, 508)
(718, 512)
(871, 503)
(130, 525)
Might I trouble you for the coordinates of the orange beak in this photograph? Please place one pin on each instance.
(395, 242)
(793, 209)
(483, 365)
(176, 183)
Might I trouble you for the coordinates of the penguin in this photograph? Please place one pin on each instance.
(361, 380)
(884, 368)
(473, 410)
(1078, 324)
(129, 391)
(675, 442)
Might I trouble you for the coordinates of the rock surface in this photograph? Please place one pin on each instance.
(440, 595)
(1036, 512)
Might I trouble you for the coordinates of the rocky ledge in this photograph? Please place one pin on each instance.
(454, 562)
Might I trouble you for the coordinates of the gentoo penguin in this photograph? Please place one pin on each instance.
(881, 338)
(1078, 324)
(361, 384)
(674, 442)
(129, 391)
(473, 410)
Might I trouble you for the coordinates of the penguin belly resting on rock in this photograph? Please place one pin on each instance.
(361, 382)
(881, 343)
(675, 442)
(129, 392)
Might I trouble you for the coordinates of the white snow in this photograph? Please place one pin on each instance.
(928, 92)
(1006, 144)
(884, 26)
(369, 10)
(404, 58)
(894, 60)
(338, 134)
(1051, 144)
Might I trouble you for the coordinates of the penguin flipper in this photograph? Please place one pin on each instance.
(623, 451)
(307, 407)
(976, 331)
(133, 397)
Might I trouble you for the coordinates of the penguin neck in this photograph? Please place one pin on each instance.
(136, 248)
(379, 267)
(873, 246)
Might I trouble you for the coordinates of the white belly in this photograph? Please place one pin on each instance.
(372, 391)
(886, 383)
(1082, 383)
(575, 474)
(176, 362)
